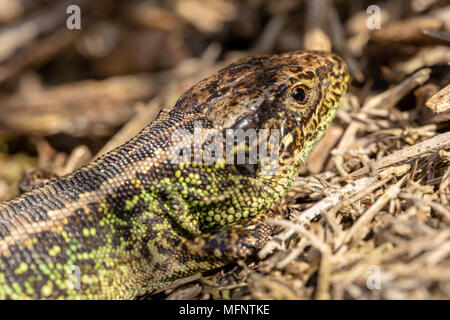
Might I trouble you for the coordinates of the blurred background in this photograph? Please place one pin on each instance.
(67, 96)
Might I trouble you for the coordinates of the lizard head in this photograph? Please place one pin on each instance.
(295, 94)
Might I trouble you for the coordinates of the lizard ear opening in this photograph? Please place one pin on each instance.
(248, 170)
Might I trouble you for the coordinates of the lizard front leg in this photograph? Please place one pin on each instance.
(189, 256)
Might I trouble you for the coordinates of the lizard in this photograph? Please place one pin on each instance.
(133, 221)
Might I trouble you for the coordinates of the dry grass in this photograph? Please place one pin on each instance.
(371, 208)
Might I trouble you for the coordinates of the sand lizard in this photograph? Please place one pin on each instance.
(134, 220)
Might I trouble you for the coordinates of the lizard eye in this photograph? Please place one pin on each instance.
(300, 93)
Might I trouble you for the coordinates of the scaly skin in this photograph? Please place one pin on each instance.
(134, 220)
